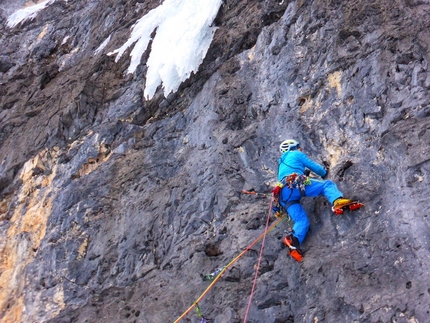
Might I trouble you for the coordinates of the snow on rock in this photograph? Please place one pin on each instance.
(184, 34)
(27, 13)
(102, 45)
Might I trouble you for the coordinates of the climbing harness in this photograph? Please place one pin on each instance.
(229, 265)
(291, 181)
(295, 181)
(278, 210)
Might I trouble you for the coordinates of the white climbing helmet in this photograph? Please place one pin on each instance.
(288, 144)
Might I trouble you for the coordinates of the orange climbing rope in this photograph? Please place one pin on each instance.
(258, 263)
(230, 264)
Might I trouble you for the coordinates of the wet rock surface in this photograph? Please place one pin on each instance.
(113, 206)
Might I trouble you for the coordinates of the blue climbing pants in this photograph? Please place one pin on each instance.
(297, 212)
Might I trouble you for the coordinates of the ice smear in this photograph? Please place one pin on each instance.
(102, 45)
(26, 13)
(183, 36)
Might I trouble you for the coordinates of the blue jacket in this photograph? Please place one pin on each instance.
(294, 161)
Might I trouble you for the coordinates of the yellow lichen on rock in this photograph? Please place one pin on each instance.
(251, 54)
(32, 212)
(4, 205)
(32, 3)
(334, 82)
(93, 163)
(82, 251)
(43, 32)
(305, 104)
(24, 235)
(334, 154)
(56, 303)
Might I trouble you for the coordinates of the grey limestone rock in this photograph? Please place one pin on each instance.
(113, 206)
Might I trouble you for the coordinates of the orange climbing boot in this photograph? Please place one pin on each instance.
(341, 204)
(293, 245)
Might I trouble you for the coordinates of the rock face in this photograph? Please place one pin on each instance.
(112, 206)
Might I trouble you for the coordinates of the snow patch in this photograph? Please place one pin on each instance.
(65, 39)
(184, 33)
(102, 45)
(27, 13)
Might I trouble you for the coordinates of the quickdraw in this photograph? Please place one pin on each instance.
(253, 192)
(295, 181)
(272, 226)
(212, 276)
(199, 313)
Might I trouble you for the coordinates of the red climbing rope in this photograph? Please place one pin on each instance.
(259, 261)
(229, 265)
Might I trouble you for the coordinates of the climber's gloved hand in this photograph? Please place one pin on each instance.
(326, 174)
(326, 167)
(307, 172)
(276, 191)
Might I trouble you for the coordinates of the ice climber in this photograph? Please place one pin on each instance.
(293, 184)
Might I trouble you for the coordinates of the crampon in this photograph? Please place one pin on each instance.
(350, 205)
(292, 250)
